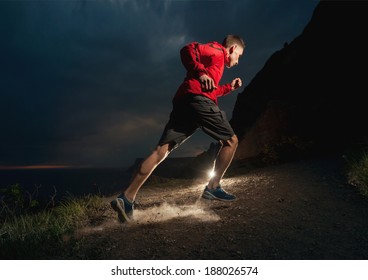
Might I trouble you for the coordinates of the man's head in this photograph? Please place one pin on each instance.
(235, 47)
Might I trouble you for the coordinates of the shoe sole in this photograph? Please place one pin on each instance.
(118, 206)
(210, 196)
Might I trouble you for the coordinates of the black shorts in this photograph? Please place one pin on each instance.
(191, 112)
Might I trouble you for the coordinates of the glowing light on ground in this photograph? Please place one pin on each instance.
(211, 173)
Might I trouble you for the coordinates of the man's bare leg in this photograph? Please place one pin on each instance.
(223, 160)
(145, 170)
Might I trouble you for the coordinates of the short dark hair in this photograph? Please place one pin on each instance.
(233, 39)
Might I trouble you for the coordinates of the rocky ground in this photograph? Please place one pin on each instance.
(297, 210)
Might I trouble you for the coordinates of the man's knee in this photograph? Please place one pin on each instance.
(163, 151)
(234, 139)
(232, 142)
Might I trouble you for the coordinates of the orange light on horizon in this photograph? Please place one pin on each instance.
(51, 166)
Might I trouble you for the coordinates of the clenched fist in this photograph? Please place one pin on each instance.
(236, 83)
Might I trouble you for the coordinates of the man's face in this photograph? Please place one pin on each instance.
(235, 52)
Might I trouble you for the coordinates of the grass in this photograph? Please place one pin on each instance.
(357, 168)
(29, 230)
(42, 235)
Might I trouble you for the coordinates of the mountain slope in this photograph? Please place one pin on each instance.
(311, 94)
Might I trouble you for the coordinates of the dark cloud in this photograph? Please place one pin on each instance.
(91, 82)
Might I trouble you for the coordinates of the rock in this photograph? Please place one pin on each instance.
(310, 95)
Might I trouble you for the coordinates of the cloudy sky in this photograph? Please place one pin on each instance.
(90, 83)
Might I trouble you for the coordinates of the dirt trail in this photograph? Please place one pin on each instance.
(298, 210)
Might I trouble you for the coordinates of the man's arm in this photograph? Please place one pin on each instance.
(227, 88)
(190, 58)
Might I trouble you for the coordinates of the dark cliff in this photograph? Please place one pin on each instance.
(310, 94)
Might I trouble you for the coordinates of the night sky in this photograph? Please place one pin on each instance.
(90, 83)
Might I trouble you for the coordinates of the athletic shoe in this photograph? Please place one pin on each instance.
(123, 207)
(217, 193)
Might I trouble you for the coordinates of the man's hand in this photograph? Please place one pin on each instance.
(207, 83)
(236, 83)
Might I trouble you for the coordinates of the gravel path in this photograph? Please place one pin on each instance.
(297, 210)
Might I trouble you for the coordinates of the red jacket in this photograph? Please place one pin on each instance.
(200, 59)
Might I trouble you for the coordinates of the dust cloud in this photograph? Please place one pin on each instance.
(166, 211)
